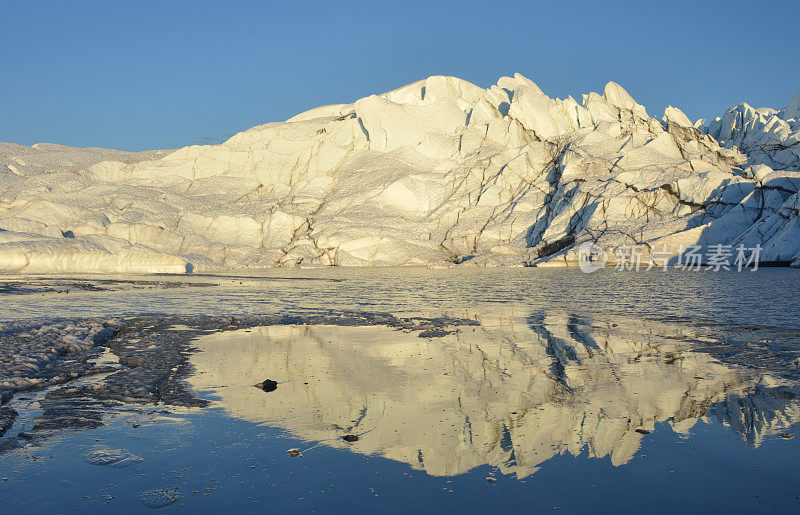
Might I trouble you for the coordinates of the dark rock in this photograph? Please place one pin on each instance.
(434, 333)
(268, 385)
(350, 438)
(643, 431)
(556, 246)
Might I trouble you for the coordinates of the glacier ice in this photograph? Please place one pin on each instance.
(436, 173)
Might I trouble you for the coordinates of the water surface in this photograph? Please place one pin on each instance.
(603, 392)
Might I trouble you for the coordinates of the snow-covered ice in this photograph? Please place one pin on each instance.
(436, 173)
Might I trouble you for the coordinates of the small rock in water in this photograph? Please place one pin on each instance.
(350, 438)
(643, 431)
(117, 458)
(491, 479)
(787, 436)
(294, 453)
(268, 385)
(159, 497)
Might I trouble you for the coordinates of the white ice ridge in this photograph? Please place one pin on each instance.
(436, 173)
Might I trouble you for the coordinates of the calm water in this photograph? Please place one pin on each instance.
(604, 392)
(768, 296)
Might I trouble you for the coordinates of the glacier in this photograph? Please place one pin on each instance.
(437, 173)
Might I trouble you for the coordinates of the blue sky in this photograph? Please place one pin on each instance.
(139, 75)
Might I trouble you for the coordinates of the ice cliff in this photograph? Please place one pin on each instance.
(435, 173)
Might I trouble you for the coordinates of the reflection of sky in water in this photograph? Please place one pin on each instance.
(511, 393)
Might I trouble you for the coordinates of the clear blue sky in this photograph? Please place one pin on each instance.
(139, 75)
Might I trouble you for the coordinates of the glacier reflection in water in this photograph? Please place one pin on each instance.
(511, 393)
